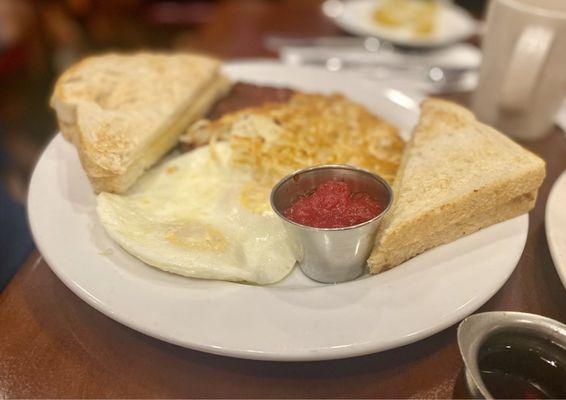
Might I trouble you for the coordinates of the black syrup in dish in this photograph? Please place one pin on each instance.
(519, 365)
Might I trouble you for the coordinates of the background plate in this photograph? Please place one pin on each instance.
(453, 24)
(555, 224)
(296, 319)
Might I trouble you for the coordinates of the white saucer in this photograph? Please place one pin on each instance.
(355, 16)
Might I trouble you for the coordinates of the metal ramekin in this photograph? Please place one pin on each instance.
(476, 329)
(331, 255)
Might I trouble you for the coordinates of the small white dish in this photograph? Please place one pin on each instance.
(555, 225)
(453, 24)
(295, 319)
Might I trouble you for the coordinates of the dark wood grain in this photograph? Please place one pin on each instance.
(52, 344)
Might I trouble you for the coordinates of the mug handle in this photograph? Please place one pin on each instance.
(525, 68)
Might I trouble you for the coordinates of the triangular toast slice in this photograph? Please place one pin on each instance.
(457, 176)
(125, 111)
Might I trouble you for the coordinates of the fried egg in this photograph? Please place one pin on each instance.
(193, 215)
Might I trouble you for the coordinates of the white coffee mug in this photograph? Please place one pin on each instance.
(523, 74)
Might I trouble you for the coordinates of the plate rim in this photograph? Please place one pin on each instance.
(558, 189)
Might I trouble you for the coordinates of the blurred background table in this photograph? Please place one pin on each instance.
(54, 345)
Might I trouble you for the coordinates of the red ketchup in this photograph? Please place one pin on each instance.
(333, 205)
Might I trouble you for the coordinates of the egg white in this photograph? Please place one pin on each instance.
(186, 216)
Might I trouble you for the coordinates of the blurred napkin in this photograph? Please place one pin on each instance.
(448, 69)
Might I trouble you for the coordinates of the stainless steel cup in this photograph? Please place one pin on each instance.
(331, 255)
(476, 329)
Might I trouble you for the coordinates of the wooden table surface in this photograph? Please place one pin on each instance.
(52, 344)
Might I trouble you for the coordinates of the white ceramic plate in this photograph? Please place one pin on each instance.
(555, 223)
(355, 16)
(296, 319)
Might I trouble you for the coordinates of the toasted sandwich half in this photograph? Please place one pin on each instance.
(124, 111)
(457, 176)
